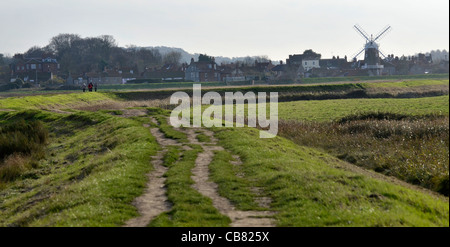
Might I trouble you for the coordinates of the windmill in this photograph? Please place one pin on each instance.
(372, 50)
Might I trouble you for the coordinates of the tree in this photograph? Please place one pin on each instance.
(248, 61)
(205, 58)
(262, 59)
(311, 54)
(172, 57)
(62, 43)
(37, 52)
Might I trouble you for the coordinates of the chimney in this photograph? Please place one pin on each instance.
(281, 62)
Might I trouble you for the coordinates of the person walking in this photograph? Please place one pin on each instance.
(84, 87)
(90, 86)
(95, 87)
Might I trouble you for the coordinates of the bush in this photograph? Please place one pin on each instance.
(9, 86)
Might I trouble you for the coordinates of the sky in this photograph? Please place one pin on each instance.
(232, 28)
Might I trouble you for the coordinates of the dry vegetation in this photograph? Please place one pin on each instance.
(414, 149)
(21, 147)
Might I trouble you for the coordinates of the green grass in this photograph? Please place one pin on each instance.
(161, 85)
(328, 110)
(371, 78)
(405, 84)
(95, 166)
(202, 137)
(52, 100)
(308, 188)
(190, 208)
(169, 131)
(235, 188)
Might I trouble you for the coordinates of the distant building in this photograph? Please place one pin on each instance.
(334, 63)
(294, 60)
(33, 68)
(168, 72)
(231, 72)
(202, 71)
(280, 69)
(308, 60)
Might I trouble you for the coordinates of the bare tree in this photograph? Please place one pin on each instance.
(172, 57)
(62, 43)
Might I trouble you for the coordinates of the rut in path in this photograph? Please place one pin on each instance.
(154, 200)
(210, 189)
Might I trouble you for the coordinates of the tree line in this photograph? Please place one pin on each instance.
(78, 55)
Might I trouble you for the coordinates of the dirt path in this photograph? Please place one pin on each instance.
(154, 199)
(210, 189)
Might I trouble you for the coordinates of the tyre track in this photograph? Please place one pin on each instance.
(154, 200)
(209, 189)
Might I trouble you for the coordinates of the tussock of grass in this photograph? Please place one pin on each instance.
(308, 188)
(22, 137)
(190, 208)
(203, 138)
(22, 145)
(169, 131)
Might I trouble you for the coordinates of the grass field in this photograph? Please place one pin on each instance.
(328, 110)
(96, 154)
(407, 83)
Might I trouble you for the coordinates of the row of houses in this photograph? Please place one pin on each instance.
(310, 64)
(296, 66)
(204, 71)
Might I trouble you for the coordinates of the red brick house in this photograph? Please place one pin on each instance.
(202, 71)
(38, 68)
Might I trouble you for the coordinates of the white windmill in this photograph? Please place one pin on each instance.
(372, 60)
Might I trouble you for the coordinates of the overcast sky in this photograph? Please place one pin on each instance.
(231, 28)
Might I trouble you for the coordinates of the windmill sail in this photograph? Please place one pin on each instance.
(371, 50)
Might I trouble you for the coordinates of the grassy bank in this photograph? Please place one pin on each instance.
(310, 188)
(52, 100)
(94, 166)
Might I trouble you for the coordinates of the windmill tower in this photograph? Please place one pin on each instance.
(372, 51)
